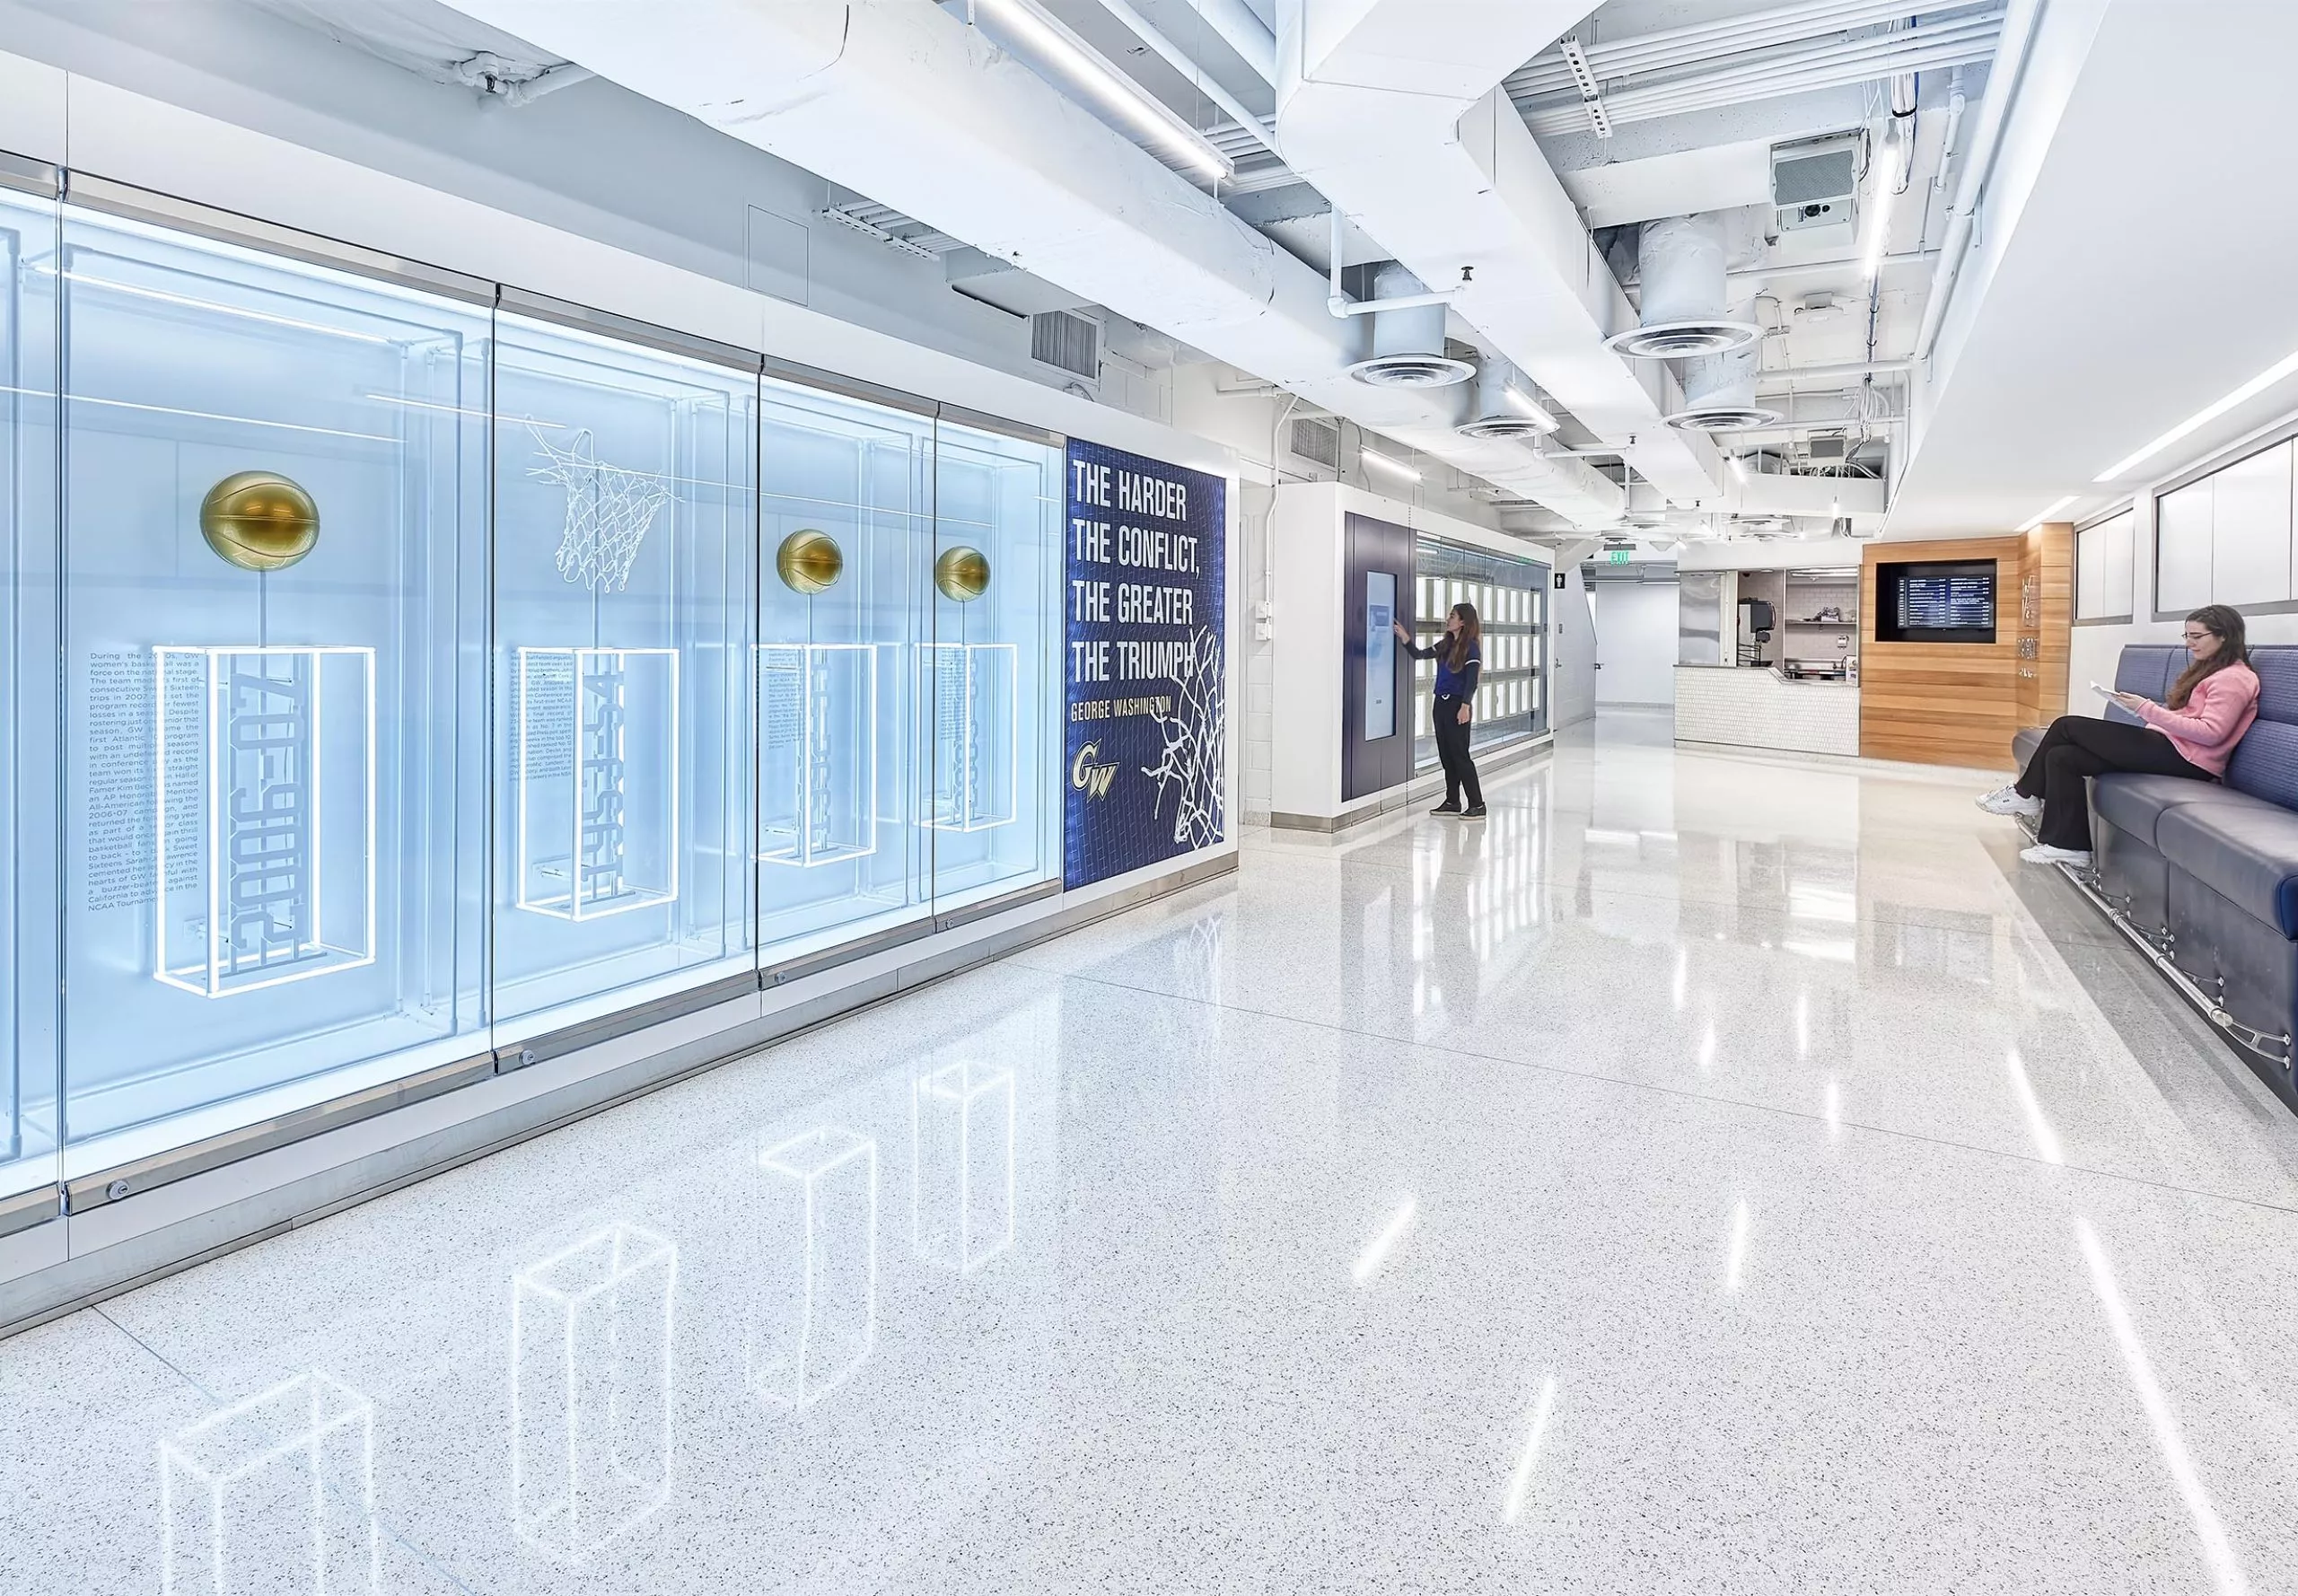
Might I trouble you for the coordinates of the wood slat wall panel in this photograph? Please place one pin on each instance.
(1958, 704)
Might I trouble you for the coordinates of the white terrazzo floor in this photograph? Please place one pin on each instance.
(1710, 1174)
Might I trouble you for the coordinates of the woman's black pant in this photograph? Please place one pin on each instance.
(1452, 748)
(2077, 747)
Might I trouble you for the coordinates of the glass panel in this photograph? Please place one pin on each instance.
(2250, 536)
(989, 671)
(30, 1069)
(2182, 548)
(275, 800)
(623, 545)
(845, 536)
(2115, 561)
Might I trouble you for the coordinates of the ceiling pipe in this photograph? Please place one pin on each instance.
(1951, 144)
(1832, 64)
(1338, 300)
(1146, 32)
(1856, 368)
(2020, 23)
(1674, 47)
(1391, 108)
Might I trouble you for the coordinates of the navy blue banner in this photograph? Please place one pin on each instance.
(1146, 666)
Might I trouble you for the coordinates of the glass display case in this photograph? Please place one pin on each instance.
(1511, 598)
(402, 668)
(274, 539)
(989, 670)
(625, 484)
(845, 535)
(32, 1087)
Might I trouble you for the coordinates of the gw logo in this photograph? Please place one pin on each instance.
(1091, 779)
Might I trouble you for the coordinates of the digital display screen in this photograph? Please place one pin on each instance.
(1938, 601)
(1380, 656)
(1947, 604)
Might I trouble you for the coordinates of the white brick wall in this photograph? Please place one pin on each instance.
(1757, 709)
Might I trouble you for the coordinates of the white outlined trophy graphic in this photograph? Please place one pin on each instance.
(597, 773)
(264, 822)
(973, 688)
(817, 752)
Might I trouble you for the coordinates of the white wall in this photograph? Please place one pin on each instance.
(1635, 642)
(2096, 648)
(1572, 674)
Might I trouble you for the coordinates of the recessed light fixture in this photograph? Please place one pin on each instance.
(1048, 37)
(2284, 367)
(2045, 513)
(1388, 462)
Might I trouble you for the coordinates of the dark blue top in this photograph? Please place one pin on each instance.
(1450, 683)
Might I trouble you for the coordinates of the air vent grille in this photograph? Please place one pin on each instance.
(1318, 441)
(1411, 371)
(1070, 343)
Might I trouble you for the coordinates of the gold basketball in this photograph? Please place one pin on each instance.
(809, 561)
(260, 520)
(962, 573)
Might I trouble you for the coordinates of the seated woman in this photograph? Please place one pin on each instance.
(2193, 734)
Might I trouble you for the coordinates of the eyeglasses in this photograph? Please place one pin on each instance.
(2200, 636)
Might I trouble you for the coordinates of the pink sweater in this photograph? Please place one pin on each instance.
(2222, 705)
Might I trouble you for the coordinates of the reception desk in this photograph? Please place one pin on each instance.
(1755, 707)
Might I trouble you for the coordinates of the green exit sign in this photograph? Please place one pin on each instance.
(1618, 556)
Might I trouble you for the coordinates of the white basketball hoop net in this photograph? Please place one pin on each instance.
(609, 511)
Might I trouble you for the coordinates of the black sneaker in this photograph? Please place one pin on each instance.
(1446, 808)
(1476, 813)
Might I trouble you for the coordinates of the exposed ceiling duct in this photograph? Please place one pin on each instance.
(1720, 394)
(1503, 406)
(903, 102)
(1392, 108)
(1407, 341)
(1681, 262)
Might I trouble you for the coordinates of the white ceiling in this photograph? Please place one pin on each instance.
(2148, 272)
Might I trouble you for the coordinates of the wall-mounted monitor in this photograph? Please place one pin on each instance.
(1934, 601)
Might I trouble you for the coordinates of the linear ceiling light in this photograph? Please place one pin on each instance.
(1046, 37)
(2045, 513)
(2284, 367)
(1387, 462)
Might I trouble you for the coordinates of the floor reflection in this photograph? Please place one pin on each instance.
(814, 1318)
(272, 1495)
(591, 1408)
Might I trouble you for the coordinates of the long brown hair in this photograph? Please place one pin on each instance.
(1467, 640)
(2225, 623)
